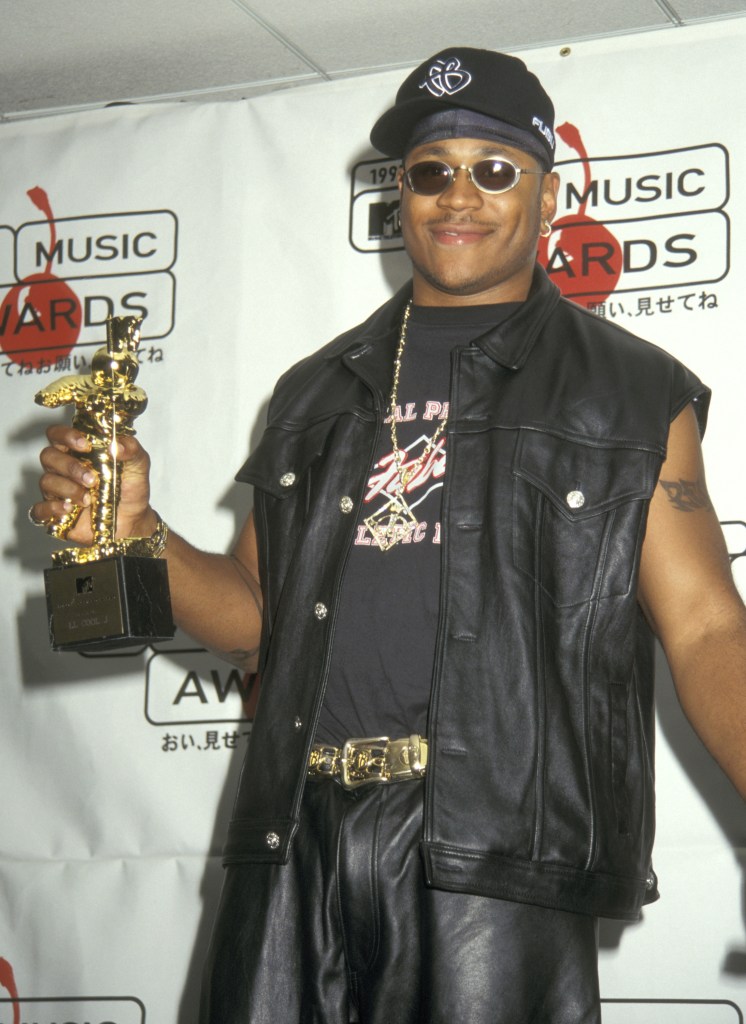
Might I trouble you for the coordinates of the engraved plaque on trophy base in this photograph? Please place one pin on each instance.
(116, 602)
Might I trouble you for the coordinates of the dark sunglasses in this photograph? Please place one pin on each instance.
(494, 175)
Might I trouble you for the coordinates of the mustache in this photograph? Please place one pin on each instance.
(455, 220)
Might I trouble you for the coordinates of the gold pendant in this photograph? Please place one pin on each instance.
(392, 523)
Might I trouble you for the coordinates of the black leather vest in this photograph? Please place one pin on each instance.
(540, 778)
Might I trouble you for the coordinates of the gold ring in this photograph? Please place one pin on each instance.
(33, 520)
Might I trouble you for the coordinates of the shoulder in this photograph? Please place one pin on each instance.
(645, 370)
(319, 369)
(608, 333)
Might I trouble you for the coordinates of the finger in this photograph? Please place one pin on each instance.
(63, 520)
(66, 438)
(59, 463)
(41, 513)
(129, 449)
(60, 496)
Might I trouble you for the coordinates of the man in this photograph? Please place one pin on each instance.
(493, 618)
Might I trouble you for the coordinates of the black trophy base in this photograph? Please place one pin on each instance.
(117, 602)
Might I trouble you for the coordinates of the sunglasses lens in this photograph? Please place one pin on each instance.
(429, 178)
(495, 175)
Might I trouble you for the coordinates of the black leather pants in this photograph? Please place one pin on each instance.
(348, 932)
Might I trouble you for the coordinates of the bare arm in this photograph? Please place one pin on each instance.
(215, 598)
(689, 598)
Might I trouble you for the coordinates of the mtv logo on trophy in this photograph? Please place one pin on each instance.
(115, 593)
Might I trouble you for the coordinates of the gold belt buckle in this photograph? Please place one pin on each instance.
(407, 757)
(368, 764)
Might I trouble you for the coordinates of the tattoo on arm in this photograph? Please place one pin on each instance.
(686, 495)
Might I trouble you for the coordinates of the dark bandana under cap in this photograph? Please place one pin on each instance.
(457, 123)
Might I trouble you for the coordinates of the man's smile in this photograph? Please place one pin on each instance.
(466, 233)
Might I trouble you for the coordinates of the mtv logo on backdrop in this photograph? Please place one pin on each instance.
(374, 207)
(384, 220)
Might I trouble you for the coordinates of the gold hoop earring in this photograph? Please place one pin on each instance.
(546, 229)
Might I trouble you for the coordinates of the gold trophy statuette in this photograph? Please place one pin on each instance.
(114, 593)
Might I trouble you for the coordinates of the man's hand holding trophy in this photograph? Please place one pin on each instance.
(113, 593)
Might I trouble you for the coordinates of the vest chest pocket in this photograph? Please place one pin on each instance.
(282, 469)
(280, 464)
(578, 515)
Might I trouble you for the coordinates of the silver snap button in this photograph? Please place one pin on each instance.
(320, 610)
(297, 724)
(273, 840)
(346, 504)
(575, 499)
(287, 479)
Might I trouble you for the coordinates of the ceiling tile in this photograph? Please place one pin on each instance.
(53, 53)
(697, 10)
(343, 37)
(58, 54)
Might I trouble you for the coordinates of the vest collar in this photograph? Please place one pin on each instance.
(371, 354)
(510, 343)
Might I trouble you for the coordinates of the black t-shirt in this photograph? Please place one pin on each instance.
(384, 640)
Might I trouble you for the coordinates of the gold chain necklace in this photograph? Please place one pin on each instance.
(395, 520)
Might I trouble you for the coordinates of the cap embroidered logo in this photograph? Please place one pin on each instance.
(446, 77)
(544, 130)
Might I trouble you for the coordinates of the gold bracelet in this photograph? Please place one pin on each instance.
(158, 539)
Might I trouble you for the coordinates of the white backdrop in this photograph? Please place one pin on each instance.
(251, 233)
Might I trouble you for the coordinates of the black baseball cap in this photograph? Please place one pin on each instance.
(491, 84)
